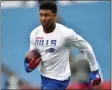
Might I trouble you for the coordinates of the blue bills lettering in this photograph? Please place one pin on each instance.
(45, 42)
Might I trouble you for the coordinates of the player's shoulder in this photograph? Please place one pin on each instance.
(64, 28)
(36, 30)
(60, 26)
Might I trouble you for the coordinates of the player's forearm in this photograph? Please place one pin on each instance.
(91, 60)
(88, 51)
(27, 69)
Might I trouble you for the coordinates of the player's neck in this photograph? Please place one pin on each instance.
(50, 29)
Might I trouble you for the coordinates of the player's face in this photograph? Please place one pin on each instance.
(47, 18)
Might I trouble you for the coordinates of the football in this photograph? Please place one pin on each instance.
(32, 54)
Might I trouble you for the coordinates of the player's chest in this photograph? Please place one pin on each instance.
(49, 42)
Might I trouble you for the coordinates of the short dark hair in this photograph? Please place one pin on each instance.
(48, 5)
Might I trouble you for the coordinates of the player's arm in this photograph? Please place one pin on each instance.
(76, 40)
(26, 64)
(30, 66)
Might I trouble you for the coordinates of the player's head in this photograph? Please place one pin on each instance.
(48, 12)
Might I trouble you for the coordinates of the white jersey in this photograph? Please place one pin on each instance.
(55, 47)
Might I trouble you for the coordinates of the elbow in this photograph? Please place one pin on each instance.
(28, 70)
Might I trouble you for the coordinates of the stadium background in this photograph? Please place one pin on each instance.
(91, 20)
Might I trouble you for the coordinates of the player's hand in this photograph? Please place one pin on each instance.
(94, 79)
(34, 63)
(31, 65)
